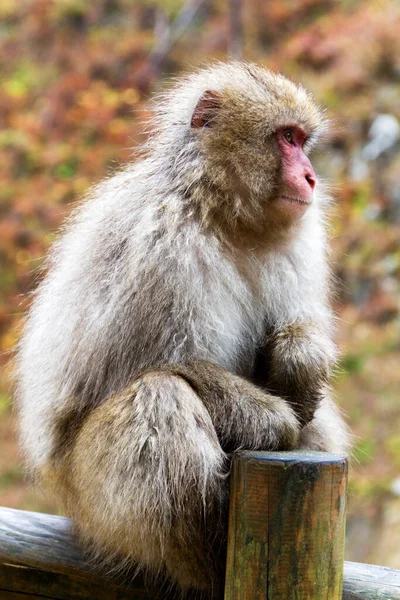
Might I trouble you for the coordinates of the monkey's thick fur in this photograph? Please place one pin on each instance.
(181, 319)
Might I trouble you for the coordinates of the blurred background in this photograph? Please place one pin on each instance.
(76, 78)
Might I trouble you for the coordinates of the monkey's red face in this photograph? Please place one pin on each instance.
(298, 179)
(253, 151)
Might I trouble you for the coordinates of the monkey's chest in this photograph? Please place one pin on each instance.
(233, 326)
(238, 303)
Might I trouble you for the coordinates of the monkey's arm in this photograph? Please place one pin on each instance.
(147, 462)
(295, 363)
(243, 415)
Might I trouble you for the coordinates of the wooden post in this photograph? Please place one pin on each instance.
(286, 526)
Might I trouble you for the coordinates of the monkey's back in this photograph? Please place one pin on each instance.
(131, 284)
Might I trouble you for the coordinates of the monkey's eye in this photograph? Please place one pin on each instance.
(288, 135)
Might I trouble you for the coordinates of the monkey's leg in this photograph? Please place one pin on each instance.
(145, 480)
(145, 474)
(327, 431)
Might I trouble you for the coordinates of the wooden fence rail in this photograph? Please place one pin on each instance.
(286, 536)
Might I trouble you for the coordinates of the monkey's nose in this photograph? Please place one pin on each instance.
(311, 180)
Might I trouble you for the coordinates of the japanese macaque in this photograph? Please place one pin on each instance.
(185, 315)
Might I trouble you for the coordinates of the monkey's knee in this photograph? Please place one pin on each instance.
(156, 431)
(148, 477)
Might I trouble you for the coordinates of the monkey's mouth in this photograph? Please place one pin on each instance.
(296, 200)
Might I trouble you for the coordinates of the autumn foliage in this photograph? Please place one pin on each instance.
(76, 77)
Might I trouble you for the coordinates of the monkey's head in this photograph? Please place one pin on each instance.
(244, 132)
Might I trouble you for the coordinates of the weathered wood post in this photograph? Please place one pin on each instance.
(286, 526)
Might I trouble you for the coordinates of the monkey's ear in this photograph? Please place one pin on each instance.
(206, 109)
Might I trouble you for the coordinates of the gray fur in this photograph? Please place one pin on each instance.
(141, 284)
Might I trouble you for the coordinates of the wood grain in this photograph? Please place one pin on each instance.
(286, 529)
(370, 582)
(40, 557)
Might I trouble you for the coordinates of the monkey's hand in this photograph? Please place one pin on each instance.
(299, 360)
(244, 416)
